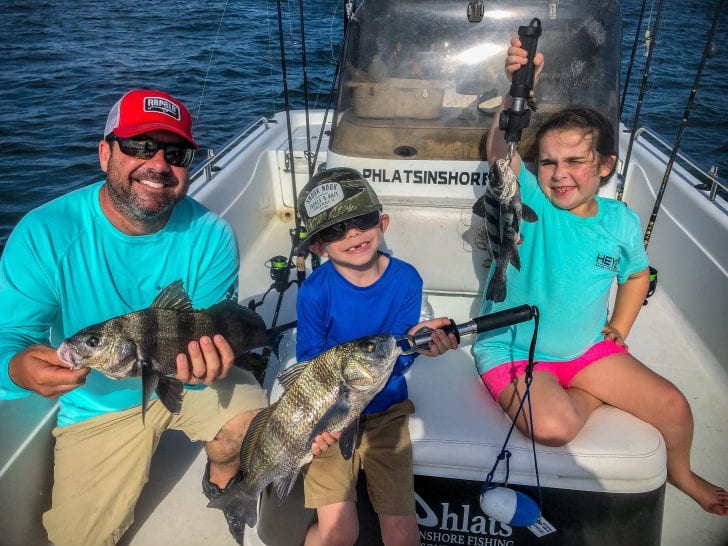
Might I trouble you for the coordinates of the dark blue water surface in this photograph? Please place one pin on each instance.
(63, 64)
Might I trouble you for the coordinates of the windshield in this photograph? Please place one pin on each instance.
(421, 81)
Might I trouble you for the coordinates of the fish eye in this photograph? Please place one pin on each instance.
(92, 341)
(370, 347)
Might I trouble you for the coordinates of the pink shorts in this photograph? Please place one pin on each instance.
(500, 376)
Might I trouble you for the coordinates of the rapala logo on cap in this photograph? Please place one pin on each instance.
(162, 106)
(323, 197)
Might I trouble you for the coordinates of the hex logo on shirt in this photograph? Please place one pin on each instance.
(607, 262)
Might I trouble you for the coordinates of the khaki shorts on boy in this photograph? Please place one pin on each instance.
(101, 464)
(385, 453)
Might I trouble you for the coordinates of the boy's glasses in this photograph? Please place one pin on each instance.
(338, 231)
(147, 147)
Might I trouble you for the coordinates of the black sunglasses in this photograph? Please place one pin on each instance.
(147, 147)
(338, 231)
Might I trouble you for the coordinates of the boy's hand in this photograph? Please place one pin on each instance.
(322, 442)
(440, 341)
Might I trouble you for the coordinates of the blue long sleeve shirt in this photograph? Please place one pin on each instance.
(331, 310)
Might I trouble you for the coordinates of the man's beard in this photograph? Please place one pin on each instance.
(124, 199)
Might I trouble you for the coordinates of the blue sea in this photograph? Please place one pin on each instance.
(63, 64)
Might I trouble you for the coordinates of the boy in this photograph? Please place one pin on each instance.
(360, 291)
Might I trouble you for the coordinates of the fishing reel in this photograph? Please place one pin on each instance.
(298, 234)
(279, 269)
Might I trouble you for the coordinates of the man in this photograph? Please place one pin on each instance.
(106, 250)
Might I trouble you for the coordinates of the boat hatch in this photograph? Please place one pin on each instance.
(420, 81)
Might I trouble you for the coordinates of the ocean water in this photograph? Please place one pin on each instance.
(63, 64)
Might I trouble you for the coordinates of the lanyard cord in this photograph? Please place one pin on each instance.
(504, 453)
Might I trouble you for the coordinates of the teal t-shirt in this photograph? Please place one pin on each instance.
(568, 265)
(65, 267)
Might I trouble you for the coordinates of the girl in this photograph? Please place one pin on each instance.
(570, 258)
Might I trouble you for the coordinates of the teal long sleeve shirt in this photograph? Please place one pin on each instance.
(65, 267)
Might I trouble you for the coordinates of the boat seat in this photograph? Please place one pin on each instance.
(458, 430)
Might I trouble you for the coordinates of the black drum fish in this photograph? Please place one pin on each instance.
(146, 343)
(503, 211)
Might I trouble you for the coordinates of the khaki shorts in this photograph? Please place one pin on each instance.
(101, 464)
(385, 453)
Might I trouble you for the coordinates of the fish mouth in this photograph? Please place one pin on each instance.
(68, 356)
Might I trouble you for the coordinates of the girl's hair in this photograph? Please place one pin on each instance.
(591, 123)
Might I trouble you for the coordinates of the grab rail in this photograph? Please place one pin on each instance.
(208, 166)
(711, 184)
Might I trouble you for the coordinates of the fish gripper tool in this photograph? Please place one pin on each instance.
(477, 325)
(518, 116)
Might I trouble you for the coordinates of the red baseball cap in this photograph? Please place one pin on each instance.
(143, 110)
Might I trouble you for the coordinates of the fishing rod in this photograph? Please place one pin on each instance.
(643, 90)
(287, 106)
(683, 124)
(348, 15)
(304, 63)
(631, 58)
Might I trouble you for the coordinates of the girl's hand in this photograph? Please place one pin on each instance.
(516, 57)
(614, 335)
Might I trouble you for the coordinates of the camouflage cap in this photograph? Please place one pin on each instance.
(332, 196)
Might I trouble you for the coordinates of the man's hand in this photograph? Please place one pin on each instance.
(39, 369)
(209, 360)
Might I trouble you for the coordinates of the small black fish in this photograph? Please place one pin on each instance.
(503, 210)
(146, 343)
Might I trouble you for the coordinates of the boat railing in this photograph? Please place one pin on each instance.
(708, 179)
(209, 166)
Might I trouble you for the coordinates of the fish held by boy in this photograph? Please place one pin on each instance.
(324, 394)
(503, 210)
(146, 343)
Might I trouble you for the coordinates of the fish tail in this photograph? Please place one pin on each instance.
(275, 335)
(235, 503)
(496, 291)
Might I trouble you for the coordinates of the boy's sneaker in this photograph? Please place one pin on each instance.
(212, 491)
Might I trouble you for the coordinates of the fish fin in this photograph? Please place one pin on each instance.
(332, 419)
(283, 486)
(150, 380)
(348, 439)
(170, 392)
(496, 291)
(516, 260)
(255, 430)
(288, 376)
(479, 208)
(234, 501)
(528, 214)
(275, 335)
(173, 297)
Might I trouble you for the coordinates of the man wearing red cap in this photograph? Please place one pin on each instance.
(106, 250)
